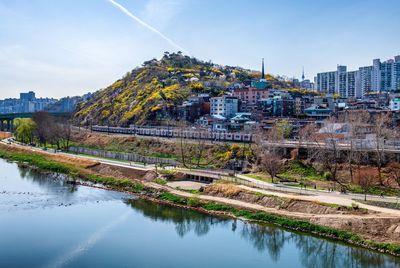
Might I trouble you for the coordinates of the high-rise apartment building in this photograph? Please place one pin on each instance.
(341, 82)
(366, 78)
(380, 77)
(353, 88)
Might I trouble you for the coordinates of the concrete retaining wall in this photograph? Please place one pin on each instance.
(123, 156)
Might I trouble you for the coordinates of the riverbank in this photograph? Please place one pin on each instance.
(83, 169)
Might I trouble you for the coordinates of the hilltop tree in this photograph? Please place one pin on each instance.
(135, 98)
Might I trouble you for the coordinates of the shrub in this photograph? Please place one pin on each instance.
(194, 202)
(173, 198)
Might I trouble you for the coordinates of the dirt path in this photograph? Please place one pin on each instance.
(325, 199)
(383, 226)
(331, 198)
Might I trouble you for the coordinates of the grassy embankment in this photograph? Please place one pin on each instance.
(194, 152)
(285, 222)
(46, 163)
(300, 174)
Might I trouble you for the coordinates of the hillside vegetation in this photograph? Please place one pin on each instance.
(152, 92)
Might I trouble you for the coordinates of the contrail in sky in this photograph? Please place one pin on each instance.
(151, 28)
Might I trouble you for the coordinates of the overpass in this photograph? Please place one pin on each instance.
(7, 120)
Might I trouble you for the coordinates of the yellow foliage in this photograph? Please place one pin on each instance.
(105, 114)
(216, 71)
(197, 86)
(156, 108)
(117, 84)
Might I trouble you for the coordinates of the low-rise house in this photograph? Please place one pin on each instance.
(194, 107)
(250, 95)
(277, 106)
(318, 112)
(237, 122)
(395, 104)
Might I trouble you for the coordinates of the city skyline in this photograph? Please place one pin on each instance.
(69, 48)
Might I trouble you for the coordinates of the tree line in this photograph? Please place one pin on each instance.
(43, 129)
(366, 156)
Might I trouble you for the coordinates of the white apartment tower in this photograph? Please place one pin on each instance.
(341, 82)
(380, 77)
(225, 106)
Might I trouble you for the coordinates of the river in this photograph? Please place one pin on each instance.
(46, 222)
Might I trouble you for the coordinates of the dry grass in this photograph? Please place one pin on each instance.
(73, 161)
(225, 189)
(64, 159)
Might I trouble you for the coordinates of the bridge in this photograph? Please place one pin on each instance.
(7, 120)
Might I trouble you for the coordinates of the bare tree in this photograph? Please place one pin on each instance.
(267, 151)
(44, 123)
(200, 148)
(394, 171)
(365, 178)
(192, 150)
(357, 122)
(328, 152)
(62, 133)
(307, 136)
(272, 163)
(382, 133)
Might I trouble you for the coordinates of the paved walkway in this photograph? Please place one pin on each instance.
(324, 199)
(186, 185)
(309, 195)
(310, 191)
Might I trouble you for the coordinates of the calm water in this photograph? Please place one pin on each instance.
(45, 222)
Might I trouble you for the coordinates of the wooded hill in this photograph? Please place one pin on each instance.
(146, 93)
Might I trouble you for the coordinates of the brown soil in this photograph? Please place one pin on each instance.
(150, 146)
(124, 173)
(292, 205)
(125, 143)
(5, 135)
(378, 227)
(375, 226)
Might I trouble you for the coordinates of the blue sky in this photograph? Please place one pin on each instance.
(70, 47)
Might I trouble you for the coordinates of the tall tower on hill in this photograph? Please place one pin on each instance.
(262, 70)
(303, 76)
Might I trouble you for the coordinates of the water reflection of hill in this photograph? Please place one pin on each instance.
(185, 220)
(313, 251)
(52, 182)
